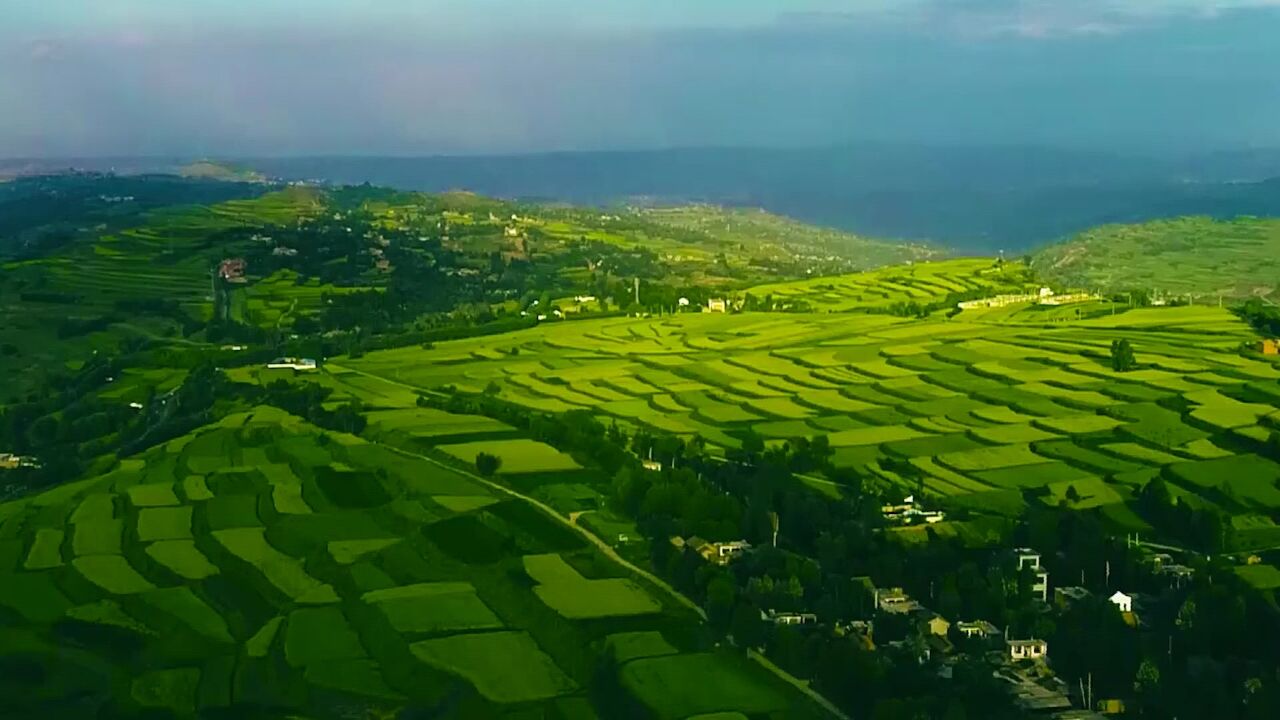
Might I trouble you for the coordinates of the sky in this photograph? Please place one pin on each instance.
(410, 77)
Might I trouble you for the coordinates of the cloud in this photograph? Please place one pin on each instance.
(1034, 19)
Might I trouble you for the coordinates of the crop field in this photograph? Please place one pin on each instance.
(977, 406)
(260, 559)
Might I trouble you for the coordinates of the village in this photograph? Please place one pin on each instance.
(907, 630)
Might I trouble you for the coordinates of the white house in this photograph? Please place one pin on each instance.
(1027, 649)
(717, 305)
(1028, 558)
(1122, 601)
(683, 302)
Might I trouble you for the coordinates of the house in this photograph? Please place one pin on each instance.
(1027, 649)
(232, 270)
(1065, 597)
(894, 600)
(294, 364)
(1122, 601)
(980, 629)
(584, 299)
(790, 618)
(9, 461)
(717, 305)
(908, 512)
(1176, 575)
(651, 465)
(1028, 558)
(683, 302)
(720, 553)
(1269, 347)
(937, 625)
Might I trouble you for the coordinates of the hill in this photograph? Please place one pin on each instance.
(978, 199)
(1191, 256)
(94, 262)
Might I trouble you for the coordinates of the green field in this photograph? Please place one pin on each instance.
(978, 404)
(359, 604)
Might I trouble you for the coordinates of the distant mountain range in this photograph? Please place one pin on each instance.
(978, 199)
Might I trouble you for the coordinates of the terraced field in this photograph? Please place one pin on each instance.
(973, 411)
(260, 562)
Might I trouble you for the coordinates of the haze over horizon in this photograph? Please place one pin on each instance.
(334, 77)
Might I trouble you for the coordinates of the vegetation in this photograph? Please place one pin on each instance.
(461, 493)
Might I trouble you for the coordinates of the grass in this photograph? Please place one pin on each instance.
(433, 608)
(315, 635)
(183, 558)
(113, 574)
(564, 590)
(518, 456)
(284, 572)
(506, 667)
(1261, 577)
(682, 686)
(164, 523)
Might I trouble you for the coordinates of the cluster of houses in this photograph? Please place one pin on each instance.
(717, 553)
(1046, 296)
(909, 512)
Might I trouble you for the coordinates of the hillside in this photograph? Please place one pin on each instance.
(540, 470)
(1191, 256)
(260, 566)
(98, 262)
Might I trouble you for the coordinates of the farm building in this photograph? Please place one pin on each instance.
(1269, 347)
(717, 305)
(1027, 649)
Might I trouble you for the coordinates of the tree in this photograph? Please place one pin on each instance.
(487, 464)
(1122, 357)
(1073, 495)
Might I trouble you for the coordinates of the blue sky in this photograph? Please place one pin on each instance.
(282, 77)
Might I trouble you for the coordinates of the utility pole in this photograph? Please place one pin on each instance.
(637, 285)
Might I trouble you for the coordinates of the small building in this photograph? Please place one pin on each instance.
(1027, 649)
(908, 512)
(1122, 601)
(1269, 347)
(1028, 558)
(651, 465)
(580, 299)
(720, 553)
(937, 625)
(791, 618)
(294, 364)
(894, 600)
(717, 305)
(232, 270)
(980, 629)
(683, 302)
(1176, 575)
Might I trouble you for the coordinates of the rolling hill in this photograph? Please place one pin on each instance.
(1190, 256)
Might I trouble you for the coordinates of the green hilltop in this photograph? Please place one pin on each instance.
(1191, 256)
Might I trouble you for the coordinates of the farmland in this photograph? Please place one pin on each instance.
(244, 574)
(959, 408)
